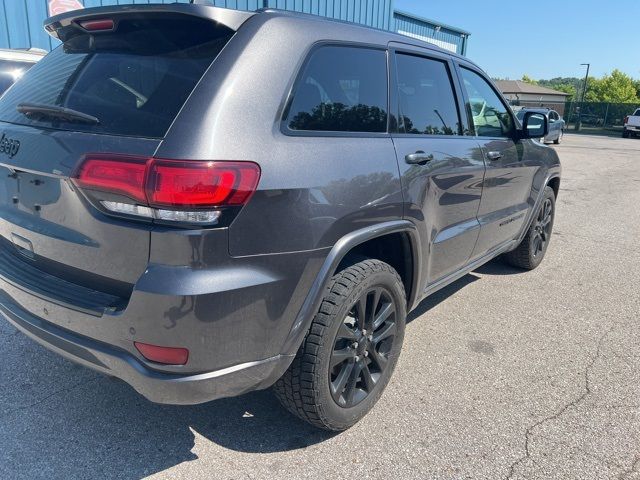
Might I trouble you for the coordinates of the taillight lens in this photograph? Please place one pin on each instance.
(197, 184)
(167, 190)
(123, 176)
(626, 119)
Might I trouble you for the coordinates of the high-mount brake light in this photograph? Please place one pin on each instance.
(177, 191)
(101, 24)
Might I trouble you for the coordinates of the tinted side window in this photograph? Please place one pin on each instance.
(342, 89)
(491, 117)
(425, 95)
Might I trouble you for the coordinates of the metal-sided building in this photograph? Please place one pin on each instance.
(445, 36)
(21, 20)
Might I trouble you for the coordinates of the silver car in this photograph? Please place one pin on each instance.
(555, 121)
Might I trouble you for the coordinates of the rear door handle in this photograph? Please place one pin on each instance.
(494, 156)
(418, 158)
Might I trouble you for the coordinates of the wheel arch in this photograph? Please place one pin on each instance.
(554, 183)
(381, 239)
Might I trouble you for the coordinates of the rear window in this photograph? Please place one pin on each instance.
(133, 80)
(341, 89)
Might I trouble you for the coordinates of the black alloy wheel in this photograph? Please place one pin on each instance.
(542, 228)
(362, 346)
(351, 349)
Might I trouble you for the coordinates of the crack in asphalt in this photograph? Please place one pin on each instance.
(51, 395)
(559, 413)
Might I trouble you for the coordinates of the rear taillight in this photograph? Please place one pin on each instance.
(195, 192)
(197, 184)
(626, 119)
(124, 176)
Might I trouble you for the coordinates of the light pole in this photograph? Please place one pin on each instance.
(584, 92)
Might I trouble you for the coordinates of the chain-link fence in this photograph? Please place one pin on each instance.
(591, 116)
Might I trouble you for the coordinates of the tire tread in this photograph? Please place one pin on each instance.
(297, 389)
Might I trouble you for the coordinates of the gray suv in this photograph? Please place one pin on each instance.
(204, 202)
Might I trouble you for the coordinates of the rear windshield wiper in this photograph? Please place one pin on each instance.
(39, 110)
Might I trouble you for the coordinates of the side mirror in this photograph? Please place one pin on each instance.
(534, 125)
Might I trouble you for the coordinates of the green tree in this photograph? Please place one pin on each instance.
(527, 79)
(570, 85)
(618, 87)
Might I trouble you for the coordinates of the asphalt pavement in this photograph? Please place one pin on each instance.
(503, 374)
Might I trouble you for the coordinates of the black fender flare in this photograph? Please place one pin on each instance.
(337, 253)
(554, 173)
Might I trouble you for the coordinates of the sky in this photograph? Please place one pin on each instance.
(543, 38)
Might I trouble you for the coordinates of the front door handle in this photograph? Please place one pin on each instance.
(493, 156)
(418, 158)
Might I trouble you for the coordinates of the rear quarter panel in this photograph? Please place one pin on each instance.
(313, 189)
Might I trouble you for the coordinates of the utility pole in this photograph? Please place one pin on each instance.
(584, 92)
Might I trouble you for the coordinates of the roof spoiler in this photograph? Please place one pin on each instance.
(63, 25)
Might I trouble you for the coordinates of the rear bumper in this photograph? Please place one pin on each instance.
(156, 386)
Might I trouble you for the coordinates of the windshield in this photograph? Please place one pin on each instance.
(133, 80)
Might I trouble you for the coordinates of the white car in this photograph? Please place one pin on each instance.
(14, 64)
(631, 125)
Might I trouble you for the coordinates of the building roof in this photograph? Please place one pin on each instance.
(518, 86)
(432, 22)
(22, 54)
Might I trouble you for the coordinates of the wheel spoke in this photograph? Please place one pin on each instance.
(338, 385)
(361, 311)
(536, 243)
(388, 331)
(379, 359)
(383, 315)
(350, 388)
(377, 293)
(368, 380)
(339, 356)
(345, 332)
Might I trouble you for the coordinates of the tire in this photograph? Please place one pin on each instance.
(559, 139)
(625, 134)
(530, 252)
(341, 370)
